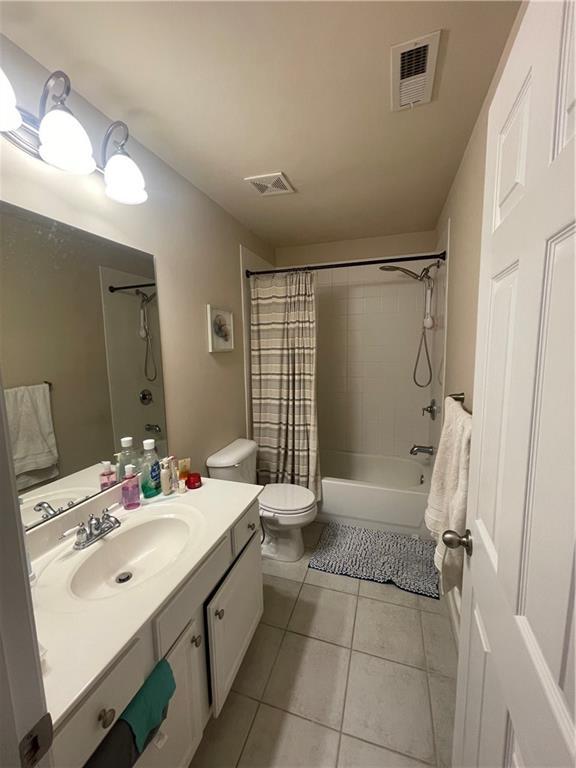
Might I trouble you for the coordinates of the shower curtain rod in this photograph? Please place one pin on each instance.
(341, 264)
(114, 288)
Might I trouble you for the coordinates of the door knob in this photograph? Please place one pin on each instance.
(220, 613)
(453, 540)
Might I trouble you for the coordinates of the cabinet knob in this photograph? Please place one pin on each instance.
(196, 640)
(252, 526)
(106, 717)
(220, 614)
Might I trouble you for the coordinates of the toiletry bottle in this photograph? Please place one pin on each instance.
(174, 476)
(107, 476)
(150, 470)
(127, 456)
(130, 488)
(165, 477)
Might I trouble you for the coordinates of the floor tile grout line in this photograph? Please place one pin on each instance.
(365, 653)
(433, 727)
(248, 732)
(329, 728)
(347, 679)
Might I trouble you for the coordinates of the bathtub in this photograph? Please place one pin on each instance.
(375, 491)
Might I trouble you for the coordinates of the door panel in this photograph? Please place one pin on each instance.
(515, 704)
(232, 617)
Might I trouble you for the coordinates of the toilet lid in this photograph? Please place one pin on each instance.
(286, 498)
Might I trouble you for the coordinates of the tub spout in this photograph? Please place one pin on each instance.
(427, 449)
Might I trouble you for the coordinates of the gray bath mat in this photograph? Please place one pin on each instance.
(378, 556)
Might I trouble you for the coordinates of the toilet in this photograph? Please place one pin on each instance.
(284, 508)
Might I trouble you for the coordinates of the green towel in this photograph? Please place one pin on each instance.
(149, 706)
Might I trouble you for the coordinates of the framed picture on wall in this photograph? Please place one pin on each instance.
(220, 329)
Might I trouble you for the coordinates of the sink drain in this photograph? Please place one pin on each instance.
(123, 577)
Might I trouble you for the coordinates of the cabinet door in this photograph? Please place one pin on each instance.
(180, 734)
(231, 618)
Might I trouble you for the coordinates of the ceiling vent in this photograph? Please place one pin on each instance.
(271, 184)
(413, 68)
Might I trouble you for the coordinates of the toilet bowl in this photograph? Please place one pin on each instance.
(284, 508)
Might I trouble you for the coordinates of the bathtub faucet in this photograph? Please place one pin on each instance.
(416, 449)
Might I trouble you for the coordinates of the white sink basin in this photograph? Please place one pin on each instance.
(149, 541)
(129, 557)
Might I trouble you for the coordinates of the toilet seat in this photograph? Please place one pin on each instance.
(286, 499)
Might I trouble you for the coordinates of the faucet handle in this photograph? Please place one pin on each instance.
(108, 518)
(81, 532)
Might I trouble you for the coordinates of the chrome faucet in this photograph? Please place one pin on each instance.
(47, 510)
(427, 449)
(97, 528)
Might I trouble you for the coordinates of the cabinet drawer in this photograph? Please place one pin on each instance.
(172, 619)
(232, 616)
(245, 527)
(82, 733)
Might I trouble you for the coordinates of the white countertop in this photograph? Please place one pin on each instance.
(83, 637)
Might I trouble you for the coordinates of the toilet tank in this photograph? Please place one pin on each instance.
(236, 461)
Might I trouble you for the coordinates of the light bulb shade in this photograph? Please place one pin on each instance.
(10, 118)
(64, 143)
(124, 180)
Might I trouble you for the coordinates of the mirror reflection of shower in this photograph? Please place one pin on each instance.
(427, 320)
(150, 368)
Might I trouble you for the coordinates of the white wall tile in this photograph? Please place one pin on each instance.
(367, 343)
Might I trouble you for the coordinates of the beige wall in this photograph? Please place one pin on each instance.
(196, 245)
(463, 210)
(363, 248)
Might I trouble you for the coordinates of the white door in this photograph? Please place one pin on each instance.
(232, 616)
(515, 700)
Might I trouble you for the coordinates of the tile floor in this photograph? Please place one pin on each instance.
(341, 673)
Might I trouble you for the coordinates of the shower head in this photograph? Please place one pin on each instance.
(407, 272)
(424, 274)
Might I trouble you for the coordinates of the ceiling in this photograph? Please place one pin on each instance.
(223, 90)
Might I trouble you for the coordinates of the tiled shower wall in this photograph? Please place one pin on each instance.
(368, 332)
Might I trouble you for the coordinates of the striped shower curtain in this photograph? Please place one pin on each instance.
(283, 370)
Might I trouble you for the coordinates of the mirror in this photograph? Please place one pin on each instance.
(80, 357)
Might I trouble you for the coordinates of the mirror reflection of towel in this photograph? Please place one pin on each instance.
(31, 434)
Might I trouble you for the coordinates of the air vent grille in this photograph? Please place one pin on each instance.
(271, 184)
(413, 62)
(413, 68)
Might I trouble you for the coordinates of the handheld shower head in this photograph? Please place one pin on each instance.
(394, 268)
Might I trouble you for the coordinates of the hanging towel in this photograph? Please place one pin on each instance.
(449, 491)
(31, 434)
(117, 750)
(149, 707)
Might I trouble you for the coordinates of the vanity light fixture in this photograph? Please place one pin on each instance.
(59, 139)
(123, 179)
(63, 141)
(10, 118)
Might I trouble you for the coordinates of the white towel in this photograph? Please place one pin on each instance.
(449, 491)
(31, 434)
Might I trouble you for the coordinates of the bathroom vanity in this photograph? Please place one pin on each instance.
(180, 579)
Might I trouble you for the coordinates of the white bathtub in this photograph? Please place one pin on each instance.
(375, 491)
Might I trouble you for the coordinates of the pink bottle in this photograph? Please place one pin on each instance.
(130, 489)
(107, 476)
